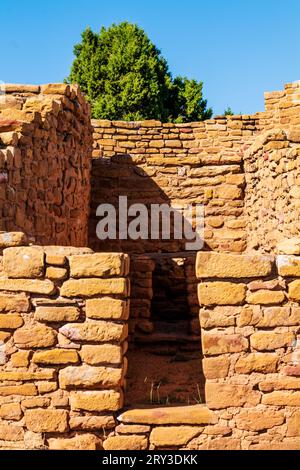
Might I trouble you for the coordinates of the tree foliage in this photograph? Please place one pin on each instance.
(124, 76)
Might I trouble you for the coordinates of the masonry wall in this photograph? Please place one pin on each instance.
(63, 331)
(45, 149)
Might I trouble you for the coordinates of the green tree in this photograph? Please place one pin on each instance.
(124, 76)
(228, 112)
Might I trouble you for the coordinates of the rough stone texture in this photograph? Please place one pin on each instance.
(78, 442)
(40, 420)
(101, 354)
(92, 287)
(60, 314)
(55, 356)
(221, 293)
(99, 265)
(133, 442)
(107, 308)
(24, 263)
(35, 335)
(96, 401)
(197, 415)
(221, 265)
(173, 435)
(90, 377)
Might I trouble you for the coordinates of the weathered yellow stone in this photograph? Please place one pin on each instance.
(14, 303)
(281, 399)
(55, 356)
(40, 420)
(35, 335)
(221, 265)
(53, 314)
(194, 415)
(265, 363)
(99, 265)
(22, 390)
(289, 247)
(266, 297)
(258, 419)
(100, 354)
(219, 317)
(294, 425)
(78, 442)
(216, 367)
(132, 429)
(26, 375)
(56, 260)
(86, 376)
(220, 343)
(9, 239)
(288, 265)
(33, 286)
(46, 387)
(11, 432)
(24, 262)
(228, 191)
(132, 442)
(20, 359)
(36, 402)
(90, 287)
(219, 396)
(270, 340)
(91, 423)
(279, 382)
(11, 411)
(4, 336)
(56, 274)
(278, 316)
(10, 322)
(294, 290)
(95, 331)
(174, 435)
(221, 293)
(108, 400)
(55, 89)
(107, 308)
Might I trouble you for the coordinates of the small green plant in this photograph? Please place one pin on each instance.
(228, 111)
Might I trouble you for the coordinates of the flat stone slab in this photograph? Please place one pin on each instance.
(197, 414)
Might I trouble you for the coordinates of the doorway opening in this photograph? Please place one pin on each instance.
(164, 357)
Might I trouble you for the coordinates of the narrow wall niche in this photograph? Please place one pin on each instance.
(164, 358)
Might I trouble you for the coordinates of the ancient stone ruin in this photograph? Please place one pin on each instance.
(101, 341)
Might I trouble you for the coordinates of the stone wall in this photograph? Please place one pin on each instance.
(45, 149)
(63, 331)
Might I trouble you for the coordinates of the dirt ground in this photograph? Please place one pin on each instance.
(164, 380)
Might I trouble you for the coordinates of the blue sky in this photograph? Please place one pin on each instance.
(238, 48)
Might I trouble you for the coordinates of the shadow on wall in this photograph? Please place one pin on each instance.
(165, 357)
(119, 177)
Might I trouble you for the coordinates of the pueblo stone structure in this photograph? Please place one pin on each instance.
(123, 344)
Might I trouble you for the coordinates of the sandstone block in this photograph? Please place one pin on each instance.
(33, 286)
(40, 420)
(91, 287)
(288, 265)
(27, 375)
(218, 317)
(56, 357)
(79, 442)
(220, 343)
(22, 390)
(10, 322)
(101, 354)
(110, 400)
(132, 442)
(91, 423)
(11, 432)
(107, 308)
(257, 420)
(56, 260)
(95, 331)
(269, 340)
(216, 367)
(35, 336)
(289, 247)
(56, 274)
(219, 396)
(193, 415)
(294, 290)
(90, 377)
(228, 191)
(221, 293)
(294, 425)
(11, 411)
(279, 316)
(132, 429)
(265, 363)
(222, 265)
(61, 314)
(281, 398)
(24, 262)
(266, 297)
(14, 303)
(99, 265)
(220, 443)
(36, 402)
(10, 239)
(173, 436)
(20, 359)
